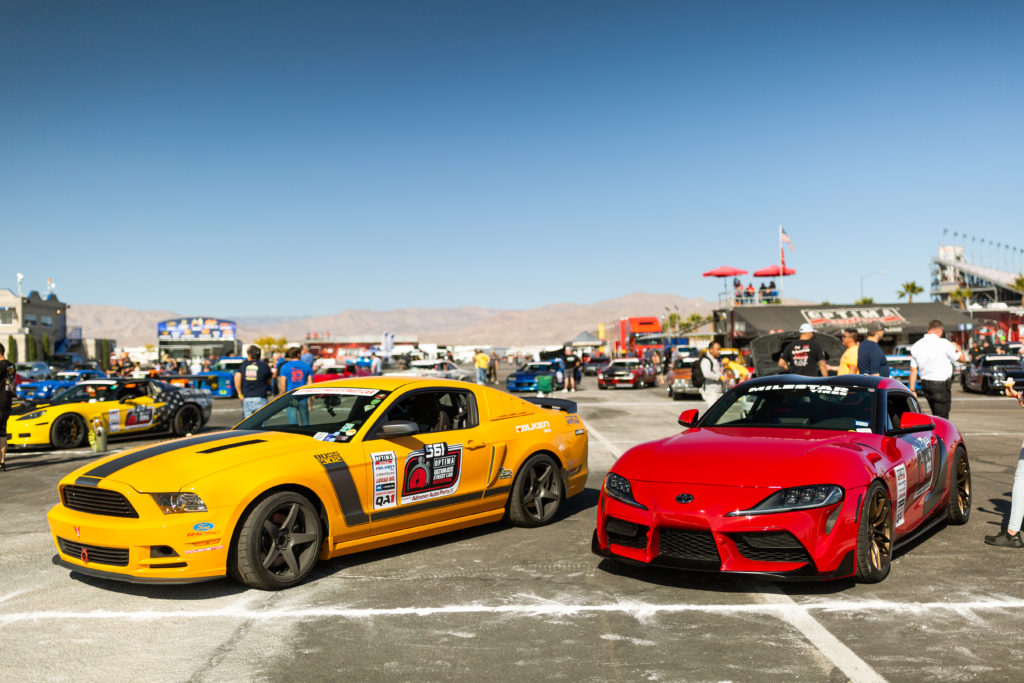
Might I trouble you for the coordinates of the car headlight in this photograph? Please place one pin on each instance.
(600, 375)
(798, 498)
(32, 416)
(173, 503)
(618, 487)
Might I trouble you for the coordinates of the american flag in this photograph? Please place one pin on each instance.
(783, 237)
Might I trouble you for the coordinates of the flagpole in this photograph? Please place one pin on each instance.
(782, 272)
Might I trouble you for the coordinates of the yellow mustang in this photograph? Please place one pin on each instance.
(325, 470)
(125, 406)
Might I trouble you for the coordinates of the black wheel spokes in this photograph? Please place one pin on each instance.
(542, 492)
(284, 546)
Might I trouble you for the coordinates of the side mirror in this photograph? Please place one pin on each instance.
(916, 422)
(688, 418)
(397, 428)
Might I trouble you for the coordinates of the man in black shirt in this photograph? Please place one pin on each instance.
(252, 382)
(6, 397)
(805, 356)
(571, 361)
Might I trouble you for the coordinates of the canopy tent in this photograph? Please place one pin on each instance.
(774, 271)
(725, 271)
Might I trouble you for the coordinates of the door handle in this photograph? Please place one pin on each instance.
(473, 444)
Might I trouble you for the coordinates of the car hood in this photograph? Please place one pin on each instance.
(746, 457)
(171, 465)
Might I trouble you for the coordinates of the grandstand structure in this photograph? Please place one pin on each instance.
(990, 294)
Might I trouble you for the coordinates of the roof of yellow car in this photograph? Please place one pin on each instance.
(390, 382)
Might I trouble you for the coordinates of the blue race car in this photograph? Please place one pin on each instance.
(899, 368)
(44, 389)
(220, 379)
(526, 377)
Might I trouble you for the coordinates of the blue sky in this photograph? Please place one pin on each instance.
(269, 158)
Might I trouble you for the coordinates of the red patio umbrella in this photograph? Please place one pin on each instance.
(725, 271)
(774, 271)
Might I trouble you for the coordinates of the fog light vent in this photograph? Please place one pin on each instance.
(162, 551)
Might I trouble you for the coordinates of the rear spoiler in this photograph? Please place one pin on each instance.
(553, 403)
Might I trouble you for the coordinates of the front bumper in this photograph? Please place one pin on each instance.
(682, 386)
(617, 381)
(152, 548)
(802, 544)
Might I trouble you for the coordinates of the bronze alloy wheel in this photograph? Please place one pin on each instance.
(874, 538)
(959, 509)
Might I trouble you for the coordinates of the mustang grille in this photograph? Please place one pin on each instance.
(97, 554)
(771, 546)
(97, 501)
(688, 545)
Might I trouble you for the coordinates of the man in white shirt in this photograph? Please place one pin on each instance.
(933, 357)
(714, 376)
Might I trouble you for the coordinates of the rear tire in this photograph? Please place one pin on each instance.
(68, 431)
(874, 538)
(187, 420)
(959, 509)
(537, 492)
(279, 542)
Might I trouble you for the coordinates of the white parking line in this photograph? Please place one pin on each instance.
(786, 609)
(602, 464)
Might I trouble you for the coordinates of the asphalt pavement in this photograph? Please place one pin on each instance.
(502, 603)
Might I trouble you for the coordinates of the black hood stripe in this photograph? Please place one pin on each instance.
(108, 468)
(237, 444)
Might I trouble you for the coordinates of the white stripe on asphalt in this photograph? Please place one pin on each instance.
(602, 464)
(786, 609)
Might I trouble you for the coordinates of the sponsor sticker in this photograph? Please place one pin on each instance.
(580, 432)
(544, 424)
(432, 472)
(336, 391)
(504, 473)
(321, 436)
(204, 550)
(328, 458)
(572, 420)
(901, 493)
(202, 526)
(385, 479)
(114, 418)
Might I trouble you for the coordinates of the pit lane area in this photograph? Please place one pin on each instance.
(505, 603)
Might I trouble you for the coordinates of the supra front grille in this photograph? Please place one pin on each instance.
(688, 545)
(626, 533)
(97, 501)
(96, 554)
(771, 546)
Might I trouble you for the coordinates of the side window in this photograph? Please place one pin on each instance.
(436, 411)
(896, 405)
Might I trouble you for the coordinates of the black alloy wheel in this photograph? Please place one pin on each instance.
(279, 542)
(187, 420)
(963, 382)
(959, 509)
(537, 492)
(874, 539)
(68, 431)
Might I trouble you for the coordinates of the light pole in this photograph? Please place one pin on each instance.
(877, 272)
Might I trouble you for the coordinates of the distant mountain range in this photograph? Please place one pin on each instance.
(550, 324)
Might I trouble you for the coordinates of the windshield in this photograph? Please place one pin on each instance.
(536, 367)
(683, 363)
(1001, 362)
(324, 413)
(795, 406)
(625, 364)
(225, 364)
(899, 363)
(87, 392)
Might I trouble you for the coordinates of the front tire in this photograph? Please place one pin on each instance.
(68, 431)
(874, 538)
(959, 510)
(279, 542)
(537, 492)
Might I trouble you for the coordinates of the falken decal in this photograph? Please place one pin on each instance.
(901, 493)
(385, 480)
(432, 472)
(545, 425)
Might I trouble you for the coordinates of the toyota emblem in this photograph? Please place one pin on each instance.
(684, 498)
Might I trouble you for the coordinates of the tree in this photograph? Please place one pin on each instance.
(104, 355)
(1018, 284)
(46, 346)
(825, 303)
(909, 289)
(961, 295)
(674, 319)
(864, 301)
(12, 349)
(31, 353)
(271, 344)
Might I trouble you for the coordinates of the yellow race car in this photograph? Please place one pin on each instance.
(123, 406)
(325, 470)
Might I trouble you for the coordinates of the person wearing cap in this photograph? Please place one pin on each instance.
(933, 357)
(804, 356)
(870, 357)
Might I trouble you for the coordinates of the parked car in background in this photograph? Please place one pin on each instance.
(441, 369)
(899, 368)
(526, 378)
(595, 363)
(45, 388)
(680, 378)
(220, 379)
(988, 373)
(340, 370)
(32, 370)
(634, 373)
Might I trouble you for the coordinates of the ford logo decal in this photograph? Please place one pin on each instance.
(206, 526)
(684, 498)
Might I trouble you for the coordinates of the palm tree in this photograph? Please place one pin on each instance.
(695, 320)
(909, 289)
(674, 320)
(1018, 284)
(961, 295)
